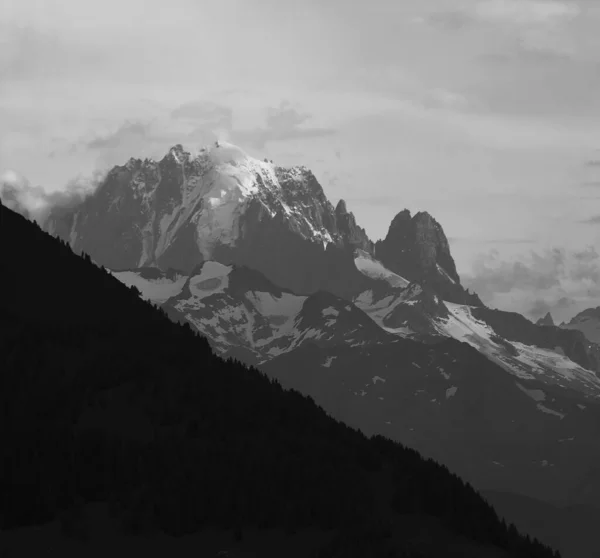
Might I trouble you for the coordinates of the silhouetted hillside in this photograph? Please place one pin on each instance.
(103, 398)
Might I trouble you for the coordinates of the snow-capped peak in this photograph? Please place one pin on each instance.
(189, 205)
(227, 153)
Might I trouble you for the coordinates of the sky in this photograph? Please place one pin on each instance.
(485, 113)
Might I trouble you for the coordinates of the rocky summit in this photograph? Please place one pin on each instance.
(226, 206)
(546, 320)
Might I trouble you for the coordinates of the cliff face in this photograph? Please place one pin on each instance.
(226, 206)
(354, 236)
(417, 249)
(222, 205)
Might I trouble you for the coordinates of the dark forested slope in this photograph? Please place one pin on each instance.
(103, 398)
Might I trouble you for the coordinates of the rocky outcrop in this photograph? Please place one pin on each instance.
(417, 248)
(546, 320)
(353, 235)
(588, 323)
(418, 313)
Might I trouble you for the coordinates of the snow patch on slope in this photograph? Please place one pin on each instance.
(287, 305)
(444, 273)
(213, 279)
(378, 310)
(330, 311)
(524, 361)
(545, 409)
(535, 394)
(374, 269)
(225, 192)
(328, 361)
(154, 290)
(451, 391)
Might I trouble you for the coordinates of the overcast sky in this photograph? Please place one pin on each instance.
(486, 113)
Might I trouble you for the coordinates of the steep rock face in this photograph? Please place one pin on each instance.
(417, 248)
(354, 236)
(288, 259)
(221, 205)
(588, 323)
(546, 320)
(226, 206)
(585, 315)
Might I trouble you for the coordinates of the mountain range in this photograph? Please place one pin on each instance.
(124, 434)
(381, 334)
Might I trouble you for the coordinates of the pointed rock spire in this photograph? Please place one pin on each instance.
(400, 220)
(355, 236)
(340, 208)
(546, 320)
(417, 248)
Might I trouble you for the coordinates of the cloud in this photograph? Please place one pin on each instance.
(525, 12)
(593, 163)
(532, 53)
(153, 137)
(26, 52)
(556, 280)
(540, 274)
(208, 113)
(211, 121)
(452, 20)
(594, 220)
(538, 29)
(507, 241)
(282, 124)
(126, 132)
(541, 307)
(511, 241)
(196, 124)
(512, 12)
(137, 138)
(34, 202)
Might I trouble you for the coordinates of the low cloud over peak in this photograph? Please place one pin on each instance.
(283, 123)
(17, 193)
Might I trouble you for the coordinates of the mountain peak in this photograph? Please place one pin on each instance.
(340, 208)
(417, 248)
(219, 204)
(586, 315)
(178, 153)
(546, 320)
(400, 220)
(223, 204)
(132, 163)
(424, 217)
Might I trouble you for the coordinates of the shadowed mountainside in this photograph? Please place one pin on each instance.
(104, 399)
